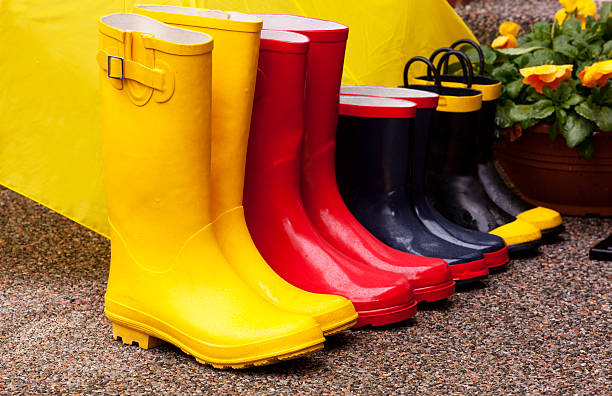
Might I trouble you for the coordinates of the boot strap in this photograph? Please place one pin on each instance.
(119, 68)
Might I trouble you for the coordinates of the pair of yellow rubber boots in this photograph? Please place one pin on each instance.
(175, 125)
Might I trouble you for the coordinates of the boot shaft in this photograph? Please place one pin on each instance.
(486, 128)
(155, 89)
(324, 73)
(453, 148)
(426, 104)
(373, 148)
(234, 74)
(277, 124)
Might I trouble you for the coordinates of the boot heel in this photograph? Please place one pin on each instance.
(129, 336)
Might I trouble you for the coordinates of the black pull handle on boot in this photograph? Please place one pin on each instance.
(466, 65)
(481, 60)
(430, 68)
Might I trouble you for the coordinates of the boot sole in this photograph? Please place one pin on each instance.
(497, 259)
(339, 327)
(524, 247)
(130, 332)
(435, 293)
(385, 316)
(469, 271)
(551, 233)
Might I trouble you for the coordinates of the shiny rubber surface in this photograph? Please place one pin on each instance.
(169, 279)
(431, 219)
(320, 194)
(453, 181)
(434, 221)
(274, 211)
(372, 168)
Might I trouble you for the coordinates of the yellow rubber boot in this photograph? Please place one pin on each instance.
(234, 71)
(169, 280)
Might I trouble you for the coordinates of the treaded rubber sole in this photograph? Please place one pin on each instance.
(338, 327)
(435, 293)
(145, 340)
(498, 258)
(465, 282)
(471, 270)
(551, 233)
(381, 317)
(524, 247)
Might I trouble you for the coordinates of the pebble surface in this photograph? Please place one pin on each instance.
(483, 17)
(541, 327)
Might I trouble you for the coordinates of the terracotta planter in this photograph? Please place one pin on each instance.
(552, 175)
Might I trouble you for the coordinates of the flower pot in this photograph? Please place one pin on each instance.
(548, 173)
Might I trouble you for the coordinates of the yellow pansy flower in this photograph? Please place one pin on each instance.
(583, 8)
(546, 76)
(508, 41)
(597, 74)
(509, 28)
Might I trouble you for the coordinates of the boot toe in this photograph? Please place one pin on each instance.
(383, 295)
(518, 232)
(542, 218)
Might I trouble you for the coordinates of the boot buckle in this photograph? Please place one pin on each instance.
(108, 67)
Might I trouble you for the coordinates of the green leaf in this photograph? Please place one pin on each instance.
(505, 73)
(604, 94)
(604, 119)
(541, 30)
(563, 93)
(542, 109)
(520, 113)
(501, 114)
(529, 115)
(563, 45)
(518, 51)
(576, 129)
(604, 11)
(546, 56)
(586, 110)
(600, 115)
(523, 60)
(561, 116)
(606, 50)
(514, 88)
(586, 148)
(595, 49)
(573, 100)
(490, 55)
(548, 92)
(572, 27)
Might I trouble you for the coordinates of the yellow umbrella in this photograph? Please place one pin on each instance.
(49, 110)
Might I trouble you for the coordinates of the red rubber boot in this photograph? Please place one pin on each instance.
(431, 278)
(274, 211)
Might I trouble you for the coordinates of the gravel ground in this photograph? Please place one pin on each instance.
(485, 16)
(543, 326)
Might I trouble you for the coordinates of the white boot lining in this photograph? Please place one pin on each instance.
(140, 23)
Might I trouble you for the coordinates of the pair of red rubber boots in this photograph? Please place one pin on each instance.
(294, 210)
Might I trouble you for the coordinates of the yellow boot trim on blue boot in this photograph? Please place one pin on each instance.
(519, 236)
(169, 279)
(546, 220)
(234, 73)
